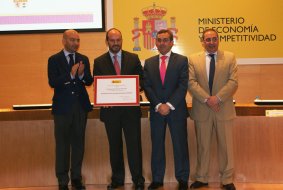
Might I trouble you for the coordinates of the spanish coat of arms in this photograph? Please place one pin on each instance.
(153, 23)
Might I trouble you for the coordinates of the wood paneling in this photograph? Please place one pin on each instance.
(24, 80)
(27, 152)
(170, 186)
(259, 80)
(24, 65)
(45, 114)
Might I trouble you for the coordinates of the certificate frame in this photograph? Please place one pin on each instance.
(116, 90)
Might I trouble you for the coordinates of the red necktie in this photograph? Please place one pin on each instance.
(163, 68)
(116, 65)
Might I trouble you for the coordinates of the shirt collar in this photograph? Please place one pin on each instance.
(119, 54)
(167, 54)
(66, 53)
(206, 53)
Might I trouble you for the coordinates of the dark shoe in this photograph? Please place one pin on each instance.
(77, 185)
(198, 184)
(183, 185)
(114, 185)
(63, 187)
(139, 186)
(155, 185)
(229, 186)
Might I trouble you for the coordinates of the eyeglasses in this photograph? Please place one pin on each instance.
(165, 40)
(214, 39)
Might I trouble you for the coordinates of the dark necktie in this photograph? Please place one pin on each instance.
(116, 65)
(211, 72)
(71, 61)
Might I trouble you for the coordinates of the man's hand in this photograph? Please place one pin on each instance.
(164, 109)
(81, 68)
(78, 67)
(213, 103)
(74, 69)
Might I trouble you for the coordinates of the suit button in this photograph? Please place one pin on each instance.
(73, 92)
(74, 82)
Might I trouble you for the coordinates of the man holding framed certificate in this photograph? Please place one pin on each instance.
(116, 72)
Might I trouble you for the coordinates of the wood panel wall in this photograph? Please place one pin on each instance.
(23, 66)
(27, 152)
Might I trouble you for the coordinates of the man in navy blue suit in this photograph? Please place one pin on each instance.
(165, 85)
(68, 74)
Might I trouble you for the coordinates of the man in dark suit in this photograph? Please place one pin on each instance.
(165, 85)
(121, 118)
(68, 73)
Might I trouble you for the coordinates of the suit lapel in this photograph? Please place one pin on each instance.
(202, 66)
(170, 66)
(78, 58)
(154, 65)
(156, 68)
(109, 64)
(124, 63)
(219, 65)
(64, 62)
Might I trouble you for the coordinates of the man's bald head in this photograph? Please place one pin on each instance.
(71, 40)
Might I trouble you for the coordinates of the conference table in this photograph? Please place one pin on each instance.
(27, 148)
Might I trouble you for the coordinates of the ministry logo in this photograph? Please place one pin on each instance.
(153, 23)
(20, 3)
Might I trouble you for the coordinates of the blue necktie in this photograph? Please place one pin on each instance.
(211, 72)
(71, 62)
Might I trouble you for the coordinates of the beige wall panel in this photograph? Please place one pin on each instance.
(24, 70)
(24, 65)
(27, 152)
(258, 149)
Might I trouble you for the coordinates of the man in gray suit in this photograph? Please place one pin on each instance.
(165, 85)
(212, 83)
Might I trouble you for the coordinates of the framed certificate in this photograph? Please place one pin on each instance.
(116, 90)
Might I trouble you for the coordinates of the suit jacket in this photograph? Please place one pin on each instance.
(225, 84)
(66, 89)
(130, 65)
(175, 85)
